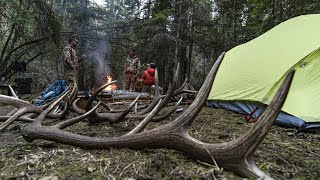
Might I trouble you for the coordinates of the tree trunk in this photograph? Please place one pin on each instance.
(191, 29)
(83, 29)
(183, 23)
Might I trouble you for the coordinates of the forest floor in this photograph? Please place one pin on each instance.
(283, 154)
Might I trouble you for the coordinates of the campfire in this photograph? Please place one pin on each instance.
(108, 79)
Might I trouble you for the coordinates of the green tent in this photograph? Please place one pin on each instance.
(252, 72)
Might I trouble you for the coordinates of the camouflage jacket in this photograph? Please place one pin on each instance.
(70, 57)
(133, 65)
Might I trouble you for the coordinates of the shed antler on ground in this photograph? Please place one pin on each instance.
(235, 156)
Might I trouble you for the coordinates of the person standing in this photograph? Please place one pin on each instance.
(132, 69)
(71, 62)
(148, 78)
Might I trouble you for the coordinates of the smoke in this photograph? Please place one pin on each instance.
(100, 56)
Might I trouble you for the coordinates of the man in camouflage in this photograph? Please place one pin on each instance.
(71, 62)
(132, 69)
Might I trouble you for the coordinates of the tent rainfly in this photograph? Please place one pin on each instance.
(251, 73)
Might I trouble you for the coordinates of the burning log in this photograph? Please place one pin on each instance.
(112, 87)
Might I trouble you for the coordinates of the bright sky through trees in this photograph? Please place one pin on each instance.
(99, 2)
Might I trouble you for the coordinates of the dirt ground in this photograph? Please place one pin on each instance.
(283, 154)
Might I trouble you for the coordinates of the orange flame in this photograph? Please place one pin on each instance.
(110, 87)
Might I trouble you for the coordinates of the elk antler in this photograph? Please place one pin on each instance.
(236, 155)
(23, 108)
(182, 89)
(95, 117)
(157, 95)
(67, 107)
(111, 117)
(119, 116)
(25, 111)
(94, 95)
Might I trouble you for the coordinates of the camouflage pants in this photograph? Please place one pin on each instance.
(71, 77)
(130, 80)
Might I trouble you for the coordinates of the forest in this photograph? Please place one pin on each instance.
(192, 33)
(185, 39)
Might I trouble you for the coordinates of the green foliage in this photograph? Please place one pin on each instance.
(191, 32)
(29, 29)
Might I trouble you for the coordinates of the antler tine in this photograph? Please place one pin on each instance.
(81, 111)
(241, 150)
(95, 94)
(124, 113)
(76, 108)
(181, 90)
(145, 121)
(184, 91)
(18, 103)
(237, 155)
(176, 92)
(188, 116)
(13, 93)
(155, 118)
(45, 106)
(44, 113)
(156, 97)
(23, 107)
(150, 117)
(171, 88)
(105, 105)
(167, 114)
(64, 112)
(156, 83)
(267, 118)
(12, 112)
(74, 92)
(163, 103)
(72, 121)
(166, 97)
(24, 119)
(9, 121)
(111, 117)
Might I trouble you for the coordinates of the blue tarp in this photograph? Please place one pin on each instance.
(283, 119)
(51, 92)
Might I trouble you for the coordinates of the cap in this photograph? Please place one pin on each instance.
(152, 65)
